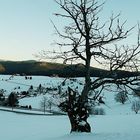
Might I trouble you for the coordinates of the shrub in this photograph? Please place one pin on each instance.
(2, 94)
(135, 106)
(30, 107)
(121, 97)
(98, 111)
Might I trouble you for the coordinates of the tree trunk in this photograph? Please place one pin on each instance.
(77, 113)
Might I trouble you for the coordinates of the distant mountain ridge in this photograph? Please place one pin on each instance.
(32, 67)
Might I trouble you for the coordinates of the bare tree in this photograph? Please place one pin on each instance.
(87, 39)
(44, 104)
(47, 103)
(50, 103)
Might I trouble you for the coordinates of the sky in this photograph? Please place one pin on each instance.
(26, 28)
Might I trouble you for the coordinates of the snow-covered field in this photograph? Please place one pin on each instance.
(28, 127)
(118, 123)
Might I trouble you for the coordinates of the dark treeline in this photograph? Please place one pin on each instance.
(54, 69)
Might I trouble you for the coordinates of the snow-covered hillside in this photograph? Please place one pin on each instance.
(119, 122)
(20, 83)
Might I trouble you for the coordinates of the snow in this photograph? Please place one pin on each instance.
(82, 123)
(35, 101)
(27, 127)
(118, 123)
(30, 127)
(24, 111)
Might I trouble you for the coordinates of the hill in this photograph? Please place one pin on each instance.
(49, 69)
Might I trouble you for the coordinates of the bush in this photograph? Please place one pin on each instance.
(2, 94)
(121, 97)
(30, 107)
(135, 106)
(98, 111)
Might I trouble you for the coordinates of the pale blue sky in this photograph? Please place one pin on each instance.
(25, 26)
